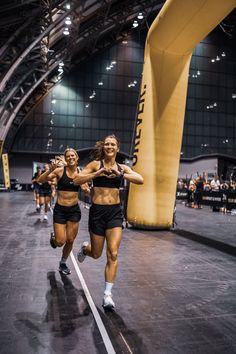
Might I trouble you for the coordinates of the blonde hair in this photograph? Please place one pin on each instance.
(70, 149)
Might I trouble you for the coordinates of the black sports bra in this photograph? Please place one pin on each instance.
(66, 184)
(108, 182)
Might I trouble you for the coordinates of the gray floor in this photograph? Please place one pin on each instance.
(172, 294)
(213, 228)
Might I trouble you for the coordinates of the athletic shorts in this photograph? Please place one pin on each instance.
(36, 188)
(45, 193)
(103, 217)
(62, 214)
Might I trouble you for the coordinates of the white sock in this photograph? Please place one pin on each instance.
(63, 260)
(108, 287)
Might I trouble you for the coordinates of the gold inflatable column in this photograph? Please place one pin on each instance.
(178, 28)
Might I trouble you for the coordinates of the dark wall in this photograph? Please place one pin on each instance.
(78, 121)
(80, 110)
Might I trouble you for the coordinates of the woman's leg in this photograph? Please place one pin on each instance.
(71, 233)
(95, 248)
(59, 234)
(113, 238)
(46, 202)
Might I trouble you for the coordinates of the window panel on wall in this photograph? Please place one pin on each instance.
(191, 90)
(119, 124)
(199, 118)
(71, 133)
(94, 108)
(214, 131)
(95, 123)
(199, 129)
(191, 129)
(79, 134)
(190, 103)
(104, 109)
(60, 120)
(70, 108)
(111, 124)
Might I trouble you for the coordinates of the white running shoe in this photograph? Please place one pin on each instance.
(45, 217)
(108, 302)
(81, 255)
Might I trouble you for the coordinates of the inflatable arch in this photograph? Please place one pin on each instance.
(178, 28)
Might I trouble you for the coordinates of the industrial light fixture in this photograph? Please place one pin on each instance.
(140, 16)
(66, 31)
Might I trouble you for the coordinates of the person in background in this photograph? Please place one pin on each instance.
(105, 214)
(198, 192)
(36, 187)
(45, 192)
(215, 184)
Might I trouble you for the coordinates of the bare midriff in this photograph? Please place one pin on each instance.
(105, 196)
(67, 198)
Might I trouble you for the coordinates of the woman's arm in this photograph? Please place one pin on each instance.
(50, 175)
(88, 173)
(130, 175)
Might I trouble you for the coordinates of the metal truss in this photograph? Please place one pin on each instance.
(27, 67)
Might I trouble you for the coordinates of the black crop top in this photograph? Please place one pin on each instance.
(66, 184)
(108, 182)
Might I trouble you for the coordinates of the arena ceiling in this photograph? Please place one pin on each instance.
(37, 35)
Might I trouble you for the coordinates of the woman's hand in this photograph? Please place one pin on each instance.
(85, 188)
(116, 173)
(58, 161)
(101, 171)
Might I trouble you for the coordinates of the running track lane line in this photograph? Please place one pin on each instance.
(102, 329)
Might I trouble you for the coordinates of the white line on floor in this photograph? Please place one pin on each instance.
(101, 327)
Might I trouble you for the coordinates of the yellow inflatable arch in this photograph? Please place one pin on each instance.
(178, 28)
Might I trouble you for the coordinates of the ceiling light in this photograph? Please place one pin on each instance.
(68, 21)
(66, 32)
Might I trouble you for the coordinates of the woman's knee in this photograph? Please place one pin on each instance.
(112, 256)
(60, 243)
(96, 255)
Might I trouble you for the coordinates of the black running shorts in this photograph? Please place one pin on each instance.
(103, 217)
(45, 192)
(62, 214)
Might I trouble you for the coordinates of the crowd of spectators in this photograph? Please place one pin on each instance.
(194, 187)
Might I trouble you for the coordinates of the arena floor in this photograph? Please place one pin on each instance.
(172, 294)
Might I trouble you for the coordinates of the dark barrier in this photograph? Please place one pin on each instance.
(182, 194)
(222, 199)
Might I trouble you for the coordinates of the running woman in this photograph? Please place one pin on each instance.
(66, 213)
(105, 214)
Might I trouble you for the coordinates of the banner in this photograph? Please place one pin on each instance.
(6, 172)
